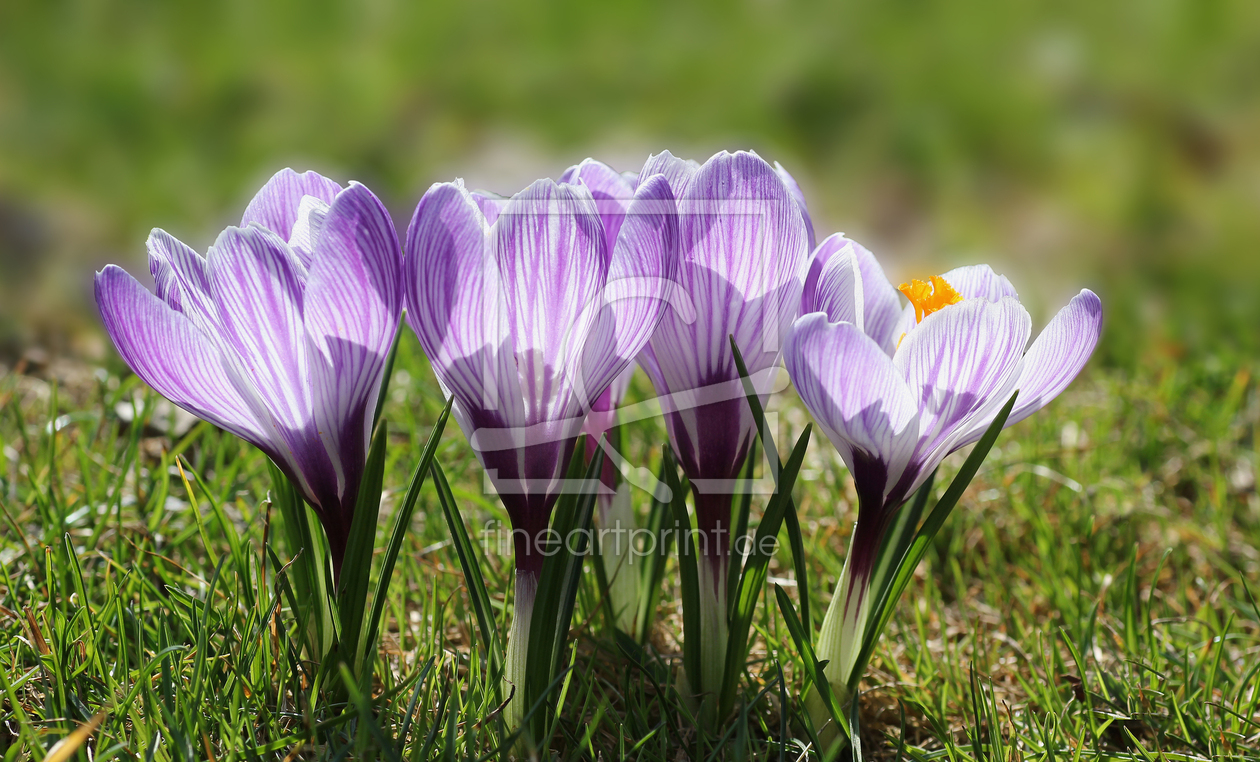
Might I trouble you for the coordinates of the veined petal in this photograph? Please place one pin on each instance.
(640, 287)
(1056, 357)
(553, 262)
(611, 190)
(182, 282)
(743, 253)
(170, 354)
(795, 189)
(275, 207)
(455, 305)
(959, 363)
(979, 281)
(254, 282)
(489, 203)
(310, 220)
(851, 286)
(859, 399)
(352, 303)
(678, 172)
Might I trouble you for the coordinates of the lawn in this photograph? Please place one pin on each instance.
(1088, 597)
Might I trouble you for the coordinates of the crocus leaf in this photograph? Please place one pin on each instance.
(356, 570)
(813, 668)
(754, 575)
(744, 511)
(402, 523)
(308, 559)
(885, 605)
(468, 565)
(653, 570)
(799, 565)
(688, 575)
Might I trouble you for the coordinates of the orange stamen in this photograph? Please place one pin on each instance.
(929, 297)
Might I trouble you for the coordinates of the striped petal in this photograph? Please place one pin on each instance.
(678, 172)
(851, 286)
(979, 281)
(960, 364)
(640, 287)
(352, 303)
(275, 207)
(489, 203)
(553, 262)
(172, 355)
(1055, 358)
(455, 306)
(254, 283)
(799, 197)
(859, 399)
(611, 190)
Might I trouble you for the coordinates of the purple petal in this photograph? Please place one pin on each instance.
(352, 303)
(961, 364)
(489, 203)
(742, 256)
(455, 306)
(1058, 354)
(171, 354)
(254, 282)
(678, 172)
(164, 249)
(275, 207)
(849, 277)
(553, 262)
(306, 231)
(640, 285)
(858, 398)
(192, 278)
(795, 190)
(979, 281)
(611, 190)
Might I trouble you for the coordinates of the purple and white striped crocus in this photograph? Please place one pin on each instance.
(897, 389)
(279, 334)
(744, 243)
(528, 313)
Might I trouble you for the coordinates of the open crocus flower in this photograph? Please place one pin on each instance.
(279, 334)
(743, 251)
(527, 314)
(898, 389)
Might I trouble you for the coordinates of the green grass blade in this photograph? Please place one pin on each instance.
(402, 523)
(653, 570)
(688, 575)
(754, 575)
(473, 579)
(813, 667)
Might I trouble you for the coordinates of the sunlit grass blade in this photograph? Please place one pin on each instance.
(653, 570)
(473, 579)
(688, 574)
(813, 668)
(754, 575)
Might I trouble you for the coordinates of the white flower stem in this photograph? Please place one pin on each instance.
(518, 648)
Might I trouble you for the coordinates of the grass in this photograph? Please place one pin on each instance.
(1088, 598)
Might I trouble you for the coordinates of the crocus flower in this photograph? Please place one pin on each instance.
(898, 389)
(279, 334)
(743, 251)
(527, 314)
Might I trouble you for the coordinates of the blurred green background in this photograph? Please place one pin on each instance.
(1109, 144)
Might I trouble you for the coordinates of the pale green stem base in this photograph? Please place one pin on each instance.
(518, 649)
(617, 525)
(839, 642)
